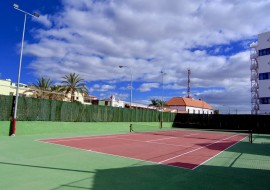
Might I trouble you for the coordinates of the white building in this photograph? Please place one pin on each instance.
(116, 103)
(263, 74)
(189, 105)
(8, 88)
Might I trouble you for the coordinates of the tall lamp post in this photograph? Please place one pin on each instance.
(162, 101)
(229, 109)
(131, 78)
(13, 126)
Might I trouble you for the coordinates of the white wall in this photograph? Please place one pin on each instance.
(8, 88)
(264, 63)
(264, 88)
(263, 42)
(193, 110)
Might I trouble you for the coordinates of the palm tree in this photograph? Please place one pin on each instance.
(157, 103)
(41, 88)
(73, 83)
(57, 93)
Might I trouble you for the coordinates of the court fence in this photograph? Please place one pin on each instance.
(256, 123)
(33, 109)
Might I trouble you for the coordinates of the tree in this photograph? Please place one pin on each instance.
(57, 93)
(73, 83)
(157, 103)
(42, 88)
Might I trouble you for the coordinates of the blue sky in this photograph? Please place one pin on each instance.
(92, 38)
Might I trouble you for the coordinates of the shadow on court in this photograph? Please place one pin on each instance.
(160, 177)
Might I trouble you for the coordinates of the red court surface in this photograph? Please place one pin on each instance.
(185, 149)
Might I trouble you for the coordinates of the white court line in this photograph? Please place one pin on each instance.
(155, 143)
(196, 149)
(114, 155)
(161, 139)
(192, 134)
(217, 154)
(83, 138)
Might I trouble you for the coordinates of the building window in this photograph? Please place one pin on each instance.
(265, 100)
(264, 76)
(263, 52)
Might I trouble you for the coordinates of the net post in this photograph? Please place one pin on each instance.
(161, 119)
(130, 128)
(250, 136)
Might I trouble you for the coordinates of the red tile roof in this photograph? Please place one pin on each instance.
(182, 101)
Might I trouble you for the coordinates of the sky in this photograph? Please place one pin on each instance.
(93, 37)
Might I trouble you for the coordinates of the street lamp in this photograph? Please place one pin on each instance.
(229, 109)
(131, 78)
(162, 80)
(13, 127)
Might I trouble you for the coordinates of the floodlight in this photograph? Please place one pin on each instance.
(36, 15)
(16, 6)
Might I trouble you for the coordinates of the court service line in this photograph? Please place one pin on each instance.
(155, 142)
(192, 134)
(161, 139)
(196, 149)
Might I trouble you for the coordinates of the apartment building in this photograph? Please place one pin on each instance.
(260, 74)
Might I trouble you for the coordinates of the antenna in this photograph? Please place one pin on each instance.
(188, 89)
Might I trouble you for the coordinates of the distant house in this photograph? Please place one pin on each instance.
(8, 88)
(109, 102)
(189, 105)
(88, 99)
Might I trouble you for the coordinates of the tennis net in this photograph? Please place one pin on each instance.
(180, 132)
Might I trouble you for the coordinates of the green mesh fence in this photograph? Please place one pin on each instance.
(33, 109)
(5, 107)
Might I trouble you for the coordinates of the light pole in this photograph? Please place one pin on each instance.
(131, 78)
(229, 109)
(162, 80)
(13, 126)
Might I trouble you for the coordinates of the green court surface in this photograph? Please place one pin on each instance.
(26, 163)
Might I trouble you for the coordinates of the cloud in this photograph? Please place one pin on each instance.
(102, 88)
(44, 20)
(145, 87)
(93, 38)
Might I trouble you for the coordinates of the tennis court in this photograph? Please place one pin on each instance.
(186, 149)
(105, 155)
